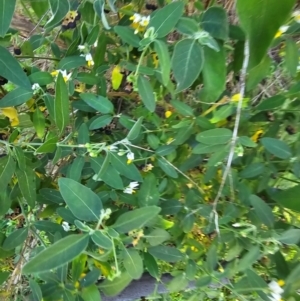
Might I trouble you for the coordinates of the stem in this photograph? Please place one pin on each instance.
(36, 57)
(141, 60)
(214, 214)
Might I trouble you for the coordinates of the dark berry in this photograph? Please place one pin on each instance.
(290, 130)
(17, 50)
(78, 16)
(72, 25)
(150, 6)
(106, 10)
(3, 81)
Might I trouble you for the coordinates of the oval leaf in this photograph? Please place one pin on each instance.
(15, 239)
(58, 254)
(135, 219)
(185, 70)
(166, 253)
(146, 93)
(81, 200)
(215, 136)
(276, 147)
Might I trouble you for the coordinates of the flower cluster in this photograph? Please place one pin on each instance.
(139, 22)
(130, 189)
(87, 55)
(64, 73)
(276, 290)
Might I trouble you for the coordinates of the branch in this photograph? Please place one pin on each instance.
(243, 74)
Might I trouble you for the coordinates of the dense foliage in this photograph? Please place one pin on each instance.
(150, 137)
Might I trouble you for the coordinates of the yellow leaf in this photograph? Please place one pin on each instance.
(30, 104)
(116, 77)
(12, 114)
(257, 135)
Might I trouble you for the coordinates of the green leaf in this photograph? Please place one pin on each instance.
(127, 35)
(164, 60)
(114, 287)
(258, 73)
(101, 240)
(98, 102)
(249, 258)
(257, 283)
(146, 93)
(215, 136)
(215, 22)
(135, 130)
(100, 166)
(90, 278)
(41, 78)
(78, 266)
(39, 122)
(3, 277)
(15, 97)
(166, 253)
(135, 219)
(40, 7)
(151, 265)
(133, 263)
(148, 194)
(7, 8)
(27, 184)
(165, 19)
(20, 156)
(48, 226)
(130, 171)
(52, 195)
(271, 103)
(81, 200)
(99, 9)
(7, 169)
(100, 122)
(36, 290)
(61, 104)
(167, 168)
(157, 237)
(214, 74)
(58, 254)
(59, 9)
(15, 239)
(252, 170)
(222, 113)
(288, 198)
(182, 108)
(48, 147)
(112, 178)
(291, 56)
(165, 150)
(87, 78)
(71, 62)
(186, 53)
(276, 147)
(75, 169)
(187, 26)
(91, 293)
(205, 149)
(290, 237)
(93, 35)
(262, 210)
(260, 21)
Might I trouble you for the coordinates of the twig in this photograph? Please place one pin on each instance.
(214, 214)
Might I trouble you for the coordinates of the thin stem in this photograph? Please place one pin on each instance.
(140, 61)
(234, 135)
(36, 57)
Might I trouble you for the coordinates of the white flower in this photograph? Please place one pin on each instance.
(89, 59)
(35, 87)
(63, 73)
(296, 15)
(276, 291)
(111, 148)
(81, 47)
(130, 157)
(65, 226)
(236, 225)
(284, 28)
(95, 44)
(136, 18)
(130, 189)
(145, 21)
